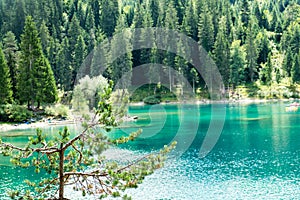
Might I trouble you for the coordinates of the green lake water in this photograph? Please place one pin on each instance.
(256, 157)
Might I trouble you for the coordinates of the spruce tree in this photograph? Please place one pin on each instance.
(296, 69)
(206, 29)
(189, 23)
(74, 32)
(109, 16)
(19, 18)
(5, 86)
(10, 49)
(36, 82)
(266, 72)
(45, 38)
(154, 9)
(221, 51)
(121, 67)
(147, 36)
(288, 62)
(170, 22)
(264, 49)
(64, 69)
(251, 50)
(237, 64)
(79, 55)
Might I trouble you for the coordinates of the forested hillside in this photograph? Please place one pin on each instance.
(254, 43)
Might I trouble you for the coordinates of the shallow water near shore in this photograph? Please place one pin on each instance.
(256, 157)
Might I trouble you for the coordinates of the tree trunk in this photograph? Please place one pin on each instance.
(61, 173)
(170, 79)
(194, 86)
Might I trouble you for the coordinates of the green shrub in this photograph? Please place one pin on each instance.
(57, 111)
(152, 100)
(14, 113)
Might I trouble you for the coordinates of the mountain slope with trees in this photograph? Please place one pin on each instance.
(255, 44)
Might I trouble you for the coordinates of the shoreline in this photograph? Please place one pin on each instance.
(225, 101)
(41, 124)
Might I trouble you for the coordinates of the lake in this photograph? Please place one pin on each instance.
(256, 157)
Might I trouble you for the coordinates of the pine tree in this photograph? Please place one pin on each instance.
(170, 22)
(154, 9)
(95, 9)
(221, 51)
(295, 39)
(12, 57)
(206, 29)
(147, 36)
(5, 86)
(237, 64)
(189, 23)
(79, 55)
(264, 49)
(288, 62)
(45, 38)
(74, 32)
(63, 72)
(295, 72)
(266, 72)
(109, 16)
(139, 13)
(19, 18)
(251, 50)
(121, 67)
(245, 12)
(36, 82)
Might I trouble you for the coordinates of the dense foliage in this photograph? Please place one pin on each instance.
(252, 42)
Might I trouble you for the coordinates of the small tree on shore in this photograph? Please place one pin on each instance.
(77, 162)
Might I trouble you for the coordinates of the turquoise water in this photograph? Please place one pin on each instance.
(256, 156)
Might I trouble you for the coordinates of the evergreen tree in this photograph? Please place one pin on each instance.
(36, 83)
(139, 13)
(74, 32)
(295, 39)
(5, 86)
(12, 57)
(147, 36)
(154, 9)
(19, 18)
(266, 72)
(79, 55)
(109, 16)
(221, 51)
(245, 12)
(237, 64)
(189, 23)
(296, 69)
(206, 29)
(264, 48)
(121, 67)
(64, 69)
(251, 50)
(45, 38)
(288, 62)
(170, 22)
